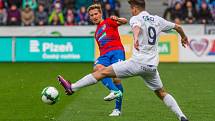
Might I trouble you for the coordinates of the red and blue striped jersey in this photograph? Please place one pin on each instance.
(107, 36)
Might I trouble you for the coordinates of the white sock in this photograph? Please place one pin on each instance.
(172, 104)
(85, 81)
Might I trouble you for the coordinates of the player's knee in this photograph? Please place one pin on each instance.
(98, 67)
(107, 72)
(161, 93)
(104, 72)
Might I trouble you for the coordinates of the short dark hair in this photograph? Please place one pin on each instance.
(139, 3)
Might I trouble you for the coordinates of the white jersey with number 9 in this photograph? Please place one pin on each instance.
(151, 26)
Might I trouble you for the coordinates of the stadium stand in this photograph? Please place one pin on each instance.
(51, 12)
(73, 12)
(190, 11)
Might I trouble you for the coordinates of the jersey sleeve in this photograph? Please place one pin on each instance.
(134, 22)
(166, 25)
(112, 22)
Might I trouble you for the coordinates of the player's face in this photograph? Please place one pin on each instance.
(95, 16)
(133, 10)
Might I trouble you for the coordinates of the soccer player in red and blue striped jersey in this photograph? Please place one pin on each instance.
(111, 49)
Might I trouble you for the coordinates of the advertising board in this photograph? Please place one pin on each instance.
(69, 49)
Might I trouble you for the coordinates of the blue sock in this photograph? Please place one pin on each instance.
(119, 100)
(109, 84)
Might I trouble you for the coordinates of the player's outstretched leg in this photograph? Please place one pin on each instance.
(71, 88)
(66, 84)
(91, 79)
(85, 81)
(170, 102)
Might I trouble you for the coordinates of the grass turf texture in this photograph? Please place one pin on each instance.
(21, 84)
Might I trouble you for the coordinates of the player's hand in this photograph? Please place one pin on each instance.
(136, 45)
(184, 41)
(115, 18)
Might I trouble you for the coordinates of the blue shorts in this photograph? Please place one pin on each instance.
(111, 57)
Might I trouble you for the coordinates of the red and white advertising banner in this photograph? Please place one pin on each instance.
(201, 49)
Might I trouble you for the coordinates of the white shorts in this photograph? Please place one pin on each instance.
(131, 68)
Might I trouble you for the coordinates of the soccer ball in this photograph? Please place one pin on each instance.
(50, 95)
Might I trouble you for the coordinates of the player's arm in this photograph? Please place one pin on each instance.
(136, 28)
(167, 25)
(136, 31)
(120, 21)
(184, 39)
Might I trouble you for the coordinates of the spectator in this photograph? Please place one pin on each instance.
(114, 6)
(55, 3)
(18, 3)
(190, 13)
(172, 3)
(46, 3)
(31, 3)
(3, 16)
(117, 8)
(167, 14)
(41, 16)
(61, 2)
(69, 12)
(55, 21)
(194, 3)
(199, 3)
(108, 11)
(40, 9)
(14, 16)
(177, 13)
(57, 12)
(204, 14)
(2, 4)
(27, 16)
(82, 16)
(70, 21)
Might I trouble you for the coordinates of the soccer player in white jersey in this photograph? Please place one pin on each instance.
(144, 61)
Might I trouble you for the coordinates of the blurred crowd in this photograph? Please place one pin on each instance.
(191, 11)
(51, 12)
(74, 12)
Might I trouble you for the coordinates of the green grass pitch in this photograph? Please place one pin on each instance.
(193, 86)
